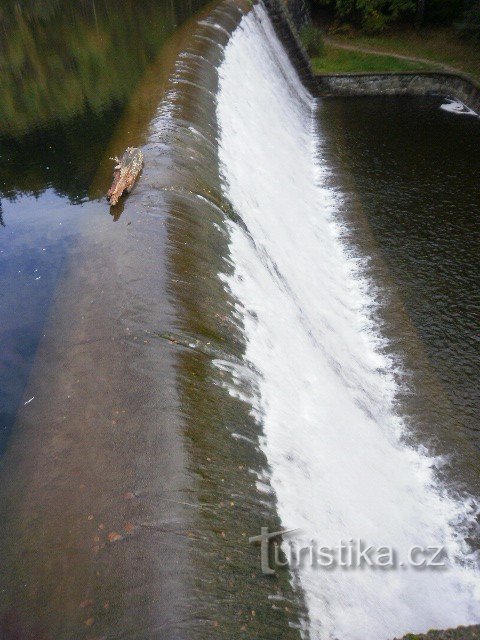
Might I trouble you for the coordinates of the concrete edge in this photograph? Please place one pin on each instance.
(280, 15)
(449, 85)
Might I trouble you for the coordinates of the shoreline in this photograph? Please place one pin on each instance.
(447, 82)
(409, 83)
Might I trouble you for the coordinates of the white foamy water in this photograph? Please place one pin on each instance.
(325, 399)
(457, 107)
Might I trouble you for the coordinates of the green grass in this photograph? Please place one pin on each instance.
(440, 45)
(342, 61)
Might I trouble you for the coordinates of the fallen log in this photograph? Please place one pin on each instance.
(125, 173)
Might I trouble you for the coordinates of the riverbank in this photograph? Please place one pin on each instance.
(339, 59)
(400, 50)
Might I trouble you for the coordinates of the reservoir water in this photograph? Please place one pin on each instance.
(76, 86)
(276, 328)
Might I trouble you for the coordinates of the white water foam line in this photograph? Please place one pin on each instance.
(457, 107)
(325, 393)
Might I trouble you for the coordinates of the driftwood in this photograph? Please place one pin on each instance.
(125, 173)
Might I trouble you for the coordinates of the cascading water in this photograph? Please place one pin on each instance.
(325, 394)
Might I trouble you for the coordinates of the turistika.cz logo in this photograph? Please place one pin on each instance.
(350, 554)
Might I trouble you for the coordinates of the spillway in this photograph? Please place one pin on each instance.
(325, 396)
(212, 361)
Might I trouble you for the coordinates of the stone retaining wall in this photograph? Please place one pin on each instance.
(299, 11)
(416, 84)
(284, 25)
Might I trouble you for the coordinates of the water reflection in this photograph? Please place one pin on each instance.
(76, 81)
(32, 250)
(63, 157)
(60, 59)
(66, 73)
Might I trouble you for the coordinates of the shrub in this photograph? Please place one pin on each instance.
(443, 11)
(312, 38)
(374, 22)
(372, 15)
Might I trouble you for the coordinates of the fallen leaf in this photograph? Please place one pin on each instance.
(113, 536)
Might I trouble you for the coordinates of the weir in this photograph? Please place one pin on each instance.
(326, 391)
(241, 380)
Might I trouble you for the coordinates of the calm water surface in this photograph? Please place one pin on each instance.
(410, 172)
(69, 72)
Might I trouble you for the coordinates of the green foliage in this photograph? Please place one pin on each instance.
(312, 39)
(374, 22)
(372, 15)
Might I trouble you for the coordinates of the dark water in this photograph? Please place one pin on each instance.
(69, 72)
(411, 174)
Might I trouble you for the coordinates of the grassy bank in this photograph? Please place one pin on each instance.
(336, 60)
(432, 49)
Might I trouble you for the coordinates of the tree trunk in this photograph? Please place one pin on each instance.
(125, 173)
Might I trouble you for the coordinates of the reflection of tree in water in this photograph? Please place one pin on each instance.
(67, 71)
(61, 58)
(63, 157)
(2, 223)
